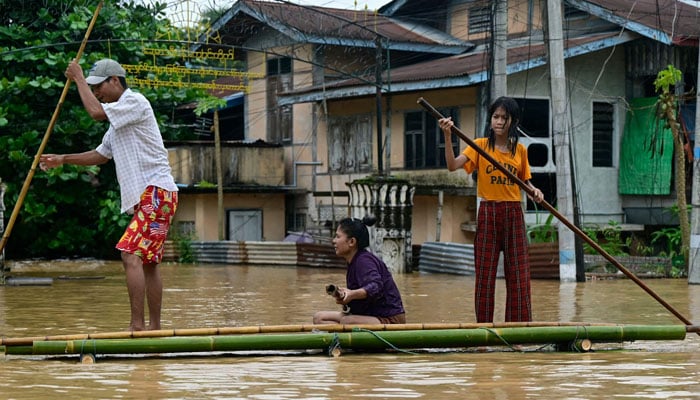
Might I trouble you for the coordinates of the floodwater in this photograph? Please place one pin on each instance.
(90, 296)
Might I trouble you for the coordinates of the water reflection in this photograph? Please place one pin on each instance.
(91, 297)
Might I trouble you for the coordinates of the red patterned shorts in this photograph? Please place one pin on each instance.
(146, 233)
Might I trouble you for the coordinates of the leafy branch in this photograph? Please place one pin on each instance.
(666, 110)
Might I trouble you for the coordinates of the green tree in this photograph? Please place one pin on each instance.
(666, 109)
(69, 211)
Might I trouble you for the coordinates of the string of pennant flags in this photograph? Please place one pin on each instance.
(181, 76)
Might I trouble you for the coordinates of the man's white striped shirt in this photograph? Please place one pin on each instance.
(134, 142)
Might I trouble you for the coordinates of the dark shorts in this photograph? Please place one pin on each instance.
(394, 319)
(146, 233)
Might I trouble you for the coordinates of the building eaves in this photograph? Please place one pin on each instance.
(453, 71)
(391, 7)
(667, 21)
(330, 26)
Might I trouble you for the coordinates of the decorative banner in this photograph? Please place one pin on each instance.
(187, 14)
(186, 53)
(181, 77)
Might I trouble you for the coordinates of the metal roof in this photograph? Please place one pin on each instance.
(667, 21)
(454, 71)
(330, 26)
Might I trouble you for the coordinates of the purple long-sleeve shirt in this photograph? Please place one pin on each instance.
(369, 272)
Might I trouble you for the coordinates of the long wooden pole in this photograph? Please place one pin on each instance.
(49, 129)
(556, 213)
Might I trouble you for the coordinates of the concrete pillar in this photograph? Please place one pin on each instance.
(391, 202)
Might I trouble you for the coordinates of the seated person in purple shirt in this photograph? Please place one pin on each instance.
(371, 295)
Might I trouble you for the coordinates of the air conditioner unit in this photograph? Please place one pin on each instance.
(539, 154)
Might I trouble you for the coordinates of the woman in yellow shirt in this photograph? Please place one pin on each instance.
(500, 221)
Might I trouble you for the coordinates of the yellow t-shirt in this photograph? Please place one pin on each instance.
(492, 184)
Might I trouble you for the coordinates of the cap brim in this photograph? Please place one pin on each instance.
(95, 80)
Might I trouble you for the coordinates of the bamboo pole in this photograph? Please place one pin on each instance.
(556, 213)
(362, 340)
(267, 329)
(49, 130)
(219, 177)
(582, 345)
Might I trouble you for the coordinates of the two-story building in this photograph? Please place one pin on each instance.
(339, 102)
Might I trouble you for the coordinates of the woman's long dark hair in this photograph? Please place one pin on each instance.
(356, 228)
(513, 111)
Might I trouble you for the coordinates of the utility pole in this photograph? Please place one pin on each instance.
(499, 85)
(561, 139)
(694, 254)
(499, 77)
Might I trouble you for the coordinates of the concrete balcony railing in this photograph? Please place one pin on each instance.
(256, 163)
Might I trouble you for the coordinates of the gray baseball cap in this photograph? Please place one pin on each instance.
(102, 70)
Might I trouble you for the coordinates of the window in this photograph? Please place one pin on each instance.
(186, 229)
(534, 115)
(295, 216)
(279, 66)
(424, 141)
(350, 144)
(479, 20)
(603, 132)
(296, 222)
(279, 118)
(244, 225)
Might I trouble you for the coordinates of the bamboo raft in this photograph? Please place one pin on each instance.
(334, 339)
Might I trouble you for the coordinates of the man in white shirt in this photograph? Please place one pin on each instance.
(147, 187)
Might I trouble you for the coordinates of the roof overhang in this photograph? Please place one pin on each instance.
(340, 91)
(681, 19)
(438, 43)
(604, 14)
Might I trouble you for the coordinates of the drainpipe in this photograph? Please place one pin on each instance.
(294, 176)
(378, 98)
(387, 134)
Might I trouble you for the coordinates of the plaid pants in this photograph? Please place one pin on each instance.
(501, 227)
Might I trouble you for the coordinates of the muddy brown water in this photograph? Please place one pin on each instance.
(90, 296)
